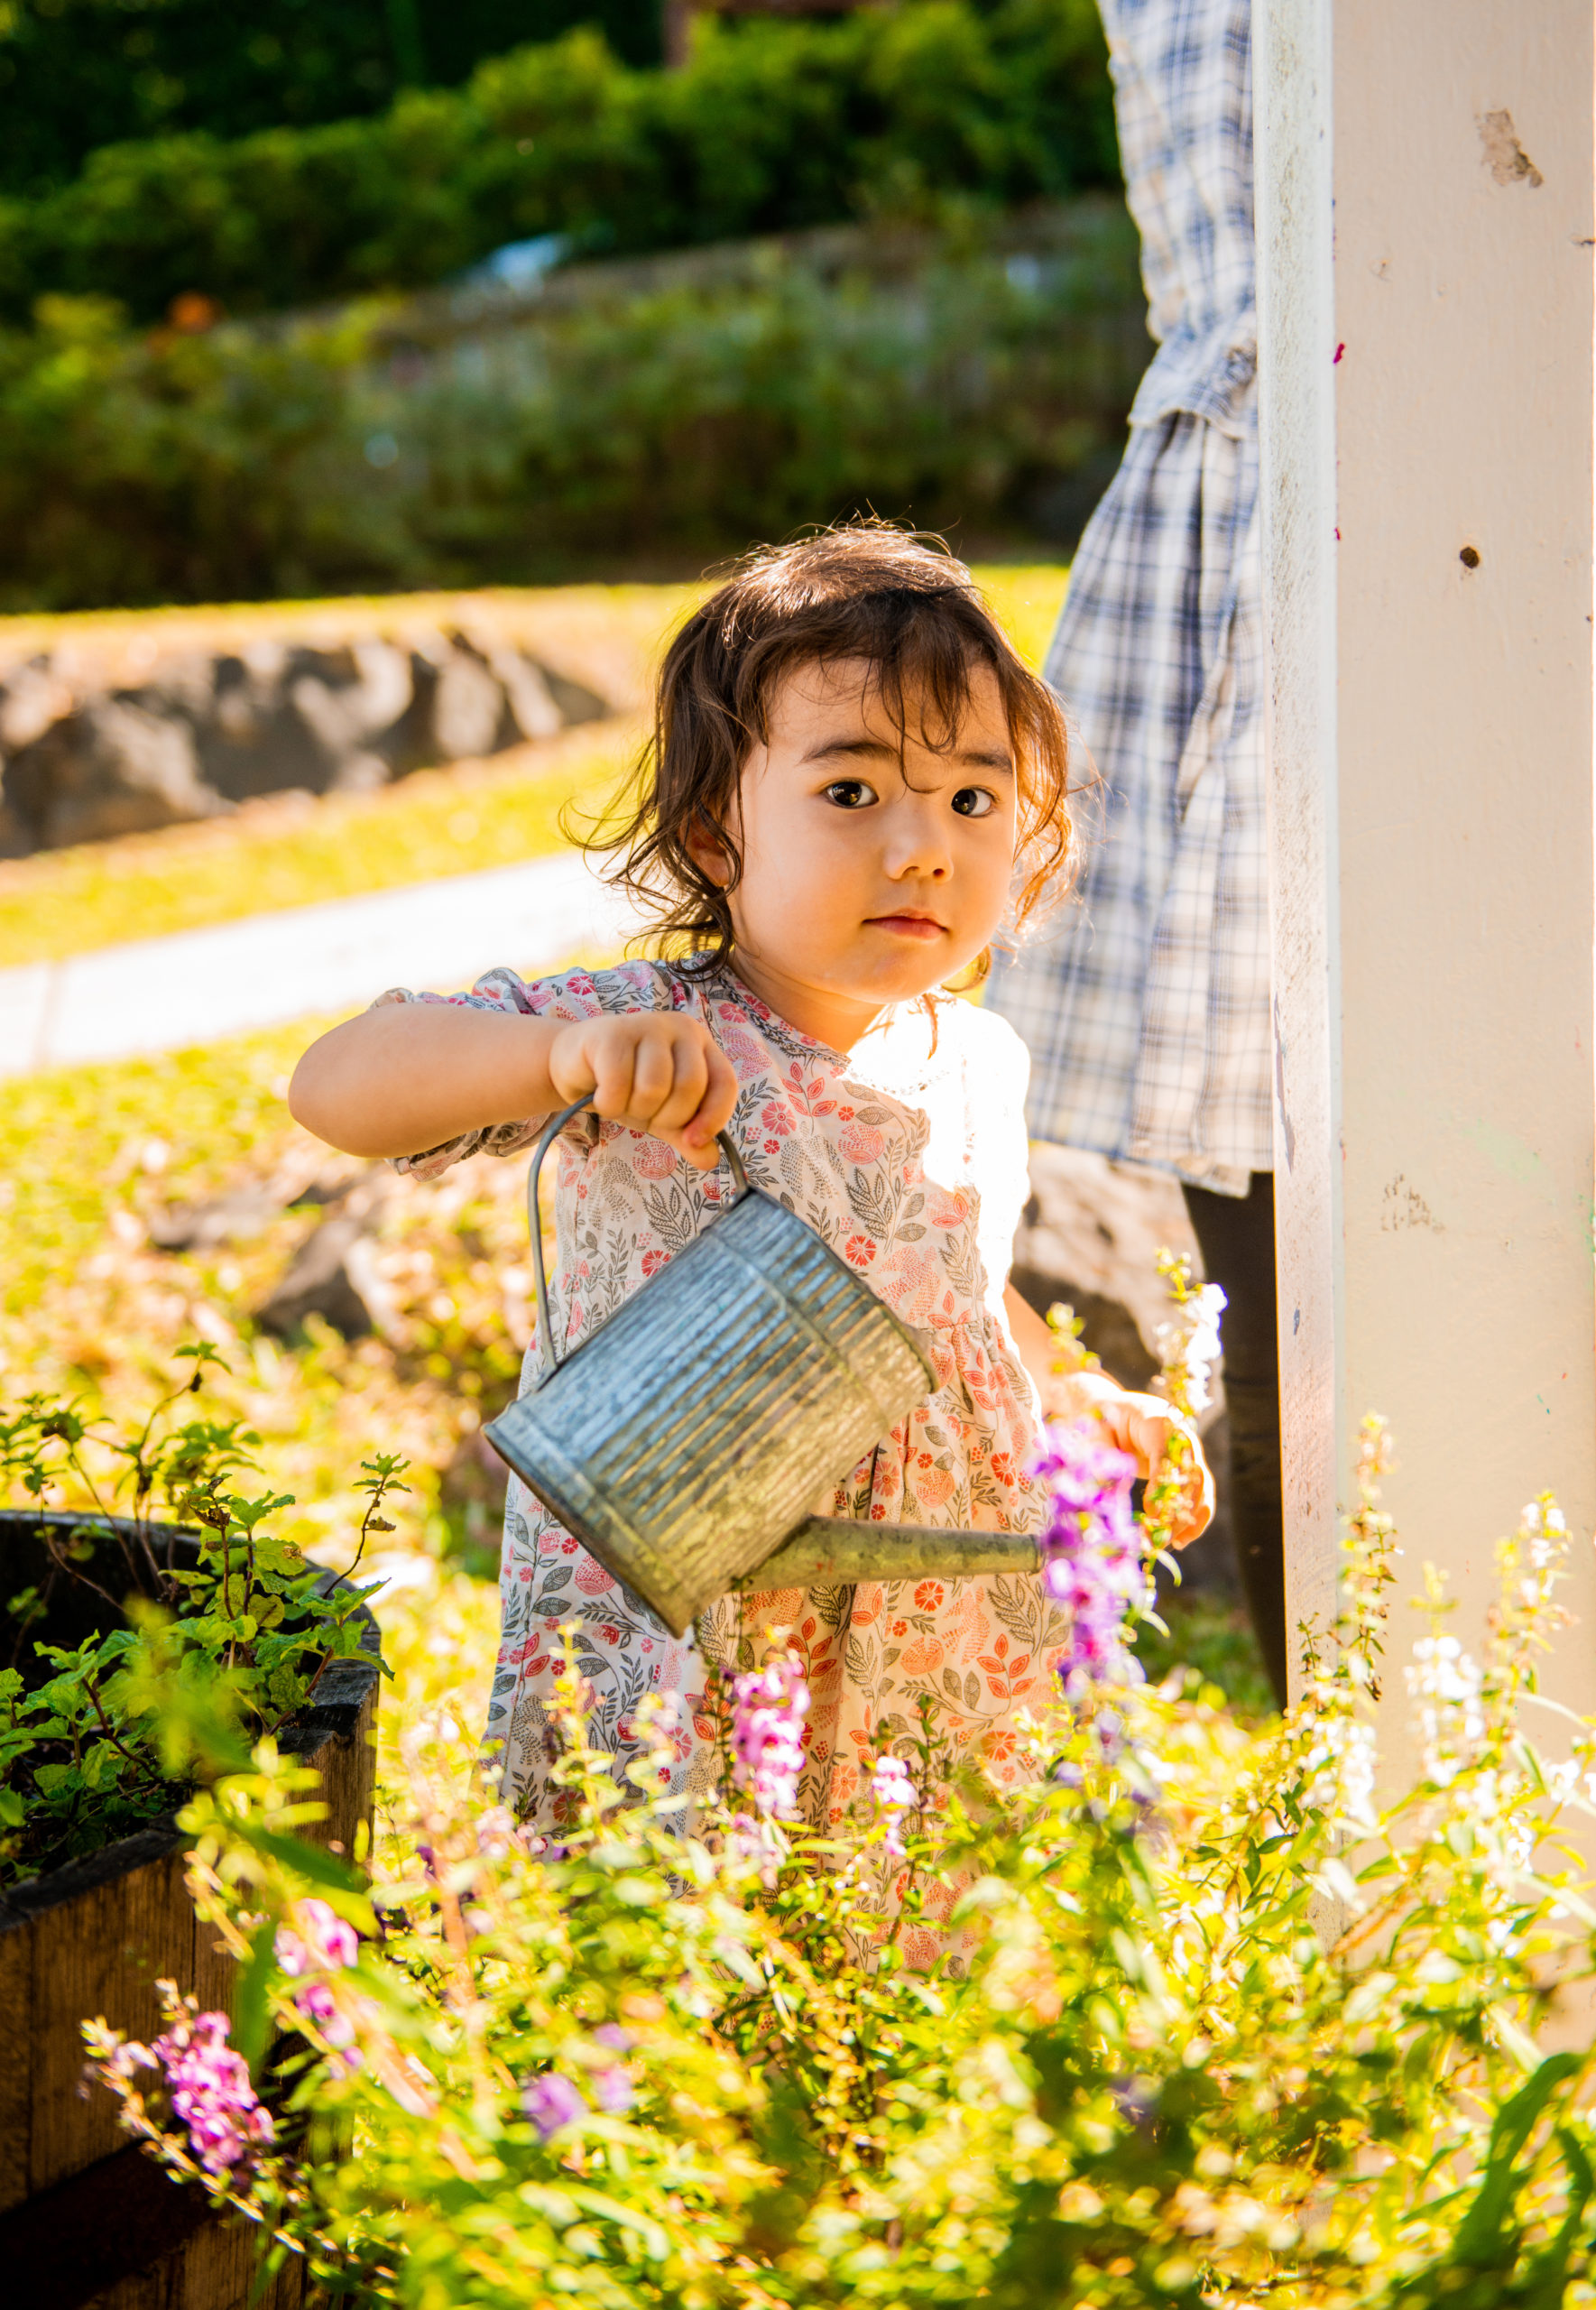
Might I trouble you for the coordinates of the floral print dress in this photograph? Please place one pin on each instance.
(908, 1156)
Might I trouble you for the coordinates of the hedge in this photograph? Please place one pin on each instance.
(774, 126)
(684, 407)
(77, 74)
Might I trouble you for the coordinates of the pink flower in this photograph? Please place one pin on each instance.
(592, 1578)
(651, 1158)
(210, 2093)
(653, 1260)
(769, 1707)
(894, 1795)
(859, 1251)
(329, 1940)
(325, 1944)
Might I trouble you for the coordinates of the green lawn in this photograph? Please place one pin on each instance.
(286, 853)
(89, 1305)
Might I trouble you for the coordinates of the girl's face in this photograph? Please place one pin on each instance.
(874, 866)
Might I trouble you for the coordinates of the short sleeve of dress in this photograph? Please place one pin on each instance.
(573, 995)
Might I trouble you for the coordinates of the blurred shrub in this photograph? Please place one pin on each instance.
(774, 126)
(77, 74)
(946, 376)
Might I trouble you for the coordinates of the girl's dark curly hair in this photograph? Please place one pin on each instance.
(864, 590)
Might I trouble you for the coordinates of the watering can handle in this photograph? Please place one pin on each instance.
(551, 1131)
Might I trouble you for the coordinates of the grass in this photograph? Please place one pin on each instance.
(287, 851)
(90, 1307)
(1214, 1638)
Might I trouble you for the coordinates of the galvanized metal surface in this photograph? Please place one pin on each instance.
(836, 1549)
(684, 1440)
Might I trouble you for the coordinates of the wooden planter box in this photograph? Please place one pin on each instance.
(85, 2216)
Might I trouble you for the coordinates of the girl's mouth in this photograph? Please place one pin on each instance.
(909, 926)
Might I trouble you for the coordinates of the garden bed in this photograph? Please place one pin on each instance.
(91, 1935)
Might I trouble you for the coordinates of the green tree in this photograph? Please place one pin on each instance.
(773, 127)
(78, 74)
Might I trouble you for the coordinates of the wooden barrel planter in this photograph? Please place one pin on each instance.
(85, 2216)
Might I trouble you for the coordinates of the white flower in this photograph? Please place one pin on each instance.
(1191, 1341)
(1445, 1682)
(1343, 1765)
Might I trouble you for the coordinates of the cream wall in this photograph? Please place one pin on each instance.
(1425, 230)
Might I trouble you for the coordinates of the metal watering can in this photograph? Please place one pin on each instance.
(684, 1439)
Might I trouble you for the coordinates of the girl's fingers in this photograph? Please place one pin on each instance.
(613, 1059)
(657, 1067)
(689, 1073)
(719, 1098)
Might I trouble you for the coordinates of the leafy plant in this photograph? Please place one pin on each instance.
(1185, 2016)
(938, 374)
(771, 126)
(78, 74)
(206, 1632)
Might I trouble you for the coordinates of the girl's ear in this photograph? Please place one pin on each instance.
(707, 850)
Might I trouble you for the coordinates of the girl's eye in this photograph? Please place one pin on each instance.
(972, 802)
(850, 793)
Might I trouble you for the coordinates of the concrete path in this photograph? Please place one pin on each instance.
(197, 986)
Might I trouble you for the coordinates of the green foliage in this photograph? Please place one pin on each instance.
(196, 1649)
(774, 125)
(77, 74)
(1179, 2019)
(930, 377)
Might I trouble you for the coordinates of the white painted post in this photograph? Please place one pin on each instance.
(1425, 220)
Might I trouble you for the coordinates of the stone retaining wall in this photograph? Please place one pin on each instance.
(95, 744)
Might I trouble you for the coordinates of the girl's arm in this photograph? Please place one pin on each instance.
(412, 1076)
(1135, 1424)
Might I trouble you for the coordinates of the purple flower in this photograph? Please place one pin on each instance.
(751, 1839)
(327, 1944)
(894, 1795)
(613, 2088)
(1135, 2098)
(328, 1941)
(210, 2093)
(1091, 1557)
(613, 2091)
(551, 2101)
(768, 1708)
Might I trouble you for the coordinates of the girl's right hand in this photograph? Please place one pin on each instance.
(654, 1072)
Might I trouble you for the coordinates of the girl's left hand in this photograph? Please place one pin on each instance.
(1139, 1425)
(1142, 1427)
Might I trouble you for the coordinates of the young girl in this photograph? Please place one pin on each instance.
(854, 784)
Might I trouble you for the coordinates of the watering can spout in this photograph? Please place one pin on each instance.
(835, 1549)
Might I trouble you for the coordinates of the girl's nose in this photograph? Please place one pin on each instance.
(917, 841)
